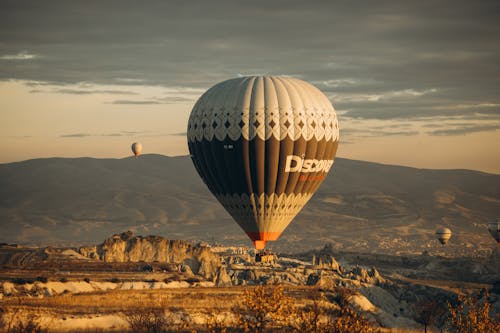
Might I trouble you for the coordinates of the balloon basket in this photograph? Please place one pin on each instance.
(265, 257)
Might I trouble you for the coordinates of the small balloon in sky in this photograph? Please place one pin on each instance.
(443, 235)
(136, 148)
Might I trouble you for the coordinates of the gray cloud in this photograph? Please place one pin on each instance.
(176, 99)
(24, 55)
(465, 129)
(75, 135)
(349, 50)
(115, 134)
(157, 100)
(136, 102)
(374, 132)
(89, 92)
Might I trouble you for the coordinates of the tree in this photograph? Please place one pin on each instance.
(428, 312)
(148, 317)
(263, 307)
(472, 315)
(311, 317)
(347, 320)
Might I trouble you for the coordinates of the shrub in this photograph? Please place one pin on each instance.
(347, 320)
(429, 312)
(308, 318)
(63, 280)
(148, 319)
(86, 280)
(22, 281)
(43, 279)
(342, 295)
(263, 307)
(15, 322)
(472, 315)
(192, 280)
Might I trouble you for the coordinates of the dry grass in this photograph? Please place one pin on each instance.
(116, 300)
(119, 300)
(186, 300)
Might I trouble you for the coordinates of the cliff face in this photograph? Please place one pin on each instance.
(126, 247)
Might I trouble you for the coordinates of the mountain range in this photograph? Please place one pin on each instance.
(361, 206)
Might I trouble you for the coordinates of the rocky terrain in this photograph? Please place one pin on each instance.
(385, 288)
(361, 206)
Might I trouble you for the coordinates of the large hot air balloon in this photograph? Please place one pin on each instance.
(443, 235)
(494, 229)
(263, 145)
(136, 148)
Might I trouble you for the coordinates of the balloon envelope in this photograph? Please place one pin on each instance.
(494, 229)
(263, 146)
(443, 235)
(136, 148)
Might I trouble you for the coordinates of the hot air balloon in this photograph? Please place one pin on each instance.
(263, 145)
(494, 229)
(443, 235)
(136, 148)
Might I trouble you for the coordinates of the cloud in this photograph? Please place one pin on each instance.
(397, 61)
(156, 100)
(465, 129)
(89, 92)
(374, 132)
(375, 97)
(136, 102)
(124, 133)
(114, 134)
(24, 55)
(75, 135)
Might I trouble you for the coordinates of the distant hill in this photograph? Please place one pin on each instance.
(361, 206)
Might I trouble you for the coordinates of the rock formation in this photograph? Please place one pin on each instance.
(126, 247)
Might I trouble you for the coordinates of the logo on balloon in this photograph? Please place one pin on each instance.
(296, 163)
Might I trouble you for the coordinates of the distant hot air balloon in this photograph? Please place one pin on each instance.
(443, 235)
(263, 145)
(136, 148)
(494, 229)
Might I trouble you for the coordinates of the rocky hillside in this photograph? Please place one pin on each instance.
(361, 206)
(126, 247)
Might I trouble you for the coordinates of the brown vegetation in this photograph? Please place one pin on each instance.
(264, 307)
(472, 315)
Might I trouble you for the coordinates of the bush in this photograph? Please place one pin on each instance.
(429, 312)
(347, 320)
(309, 318)
(42, 279)
(148, 319)
(115, 280)
(472, 315)
(22, 281)
(192, 280)
(263, 307)
(15, 322)
(86, 280)
(342, 295)
(63, 280)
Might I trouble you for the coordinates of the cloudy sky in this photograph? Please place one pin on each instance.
(414, 82)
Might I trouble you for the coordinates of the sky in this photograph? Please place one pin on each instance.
(414, 83)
